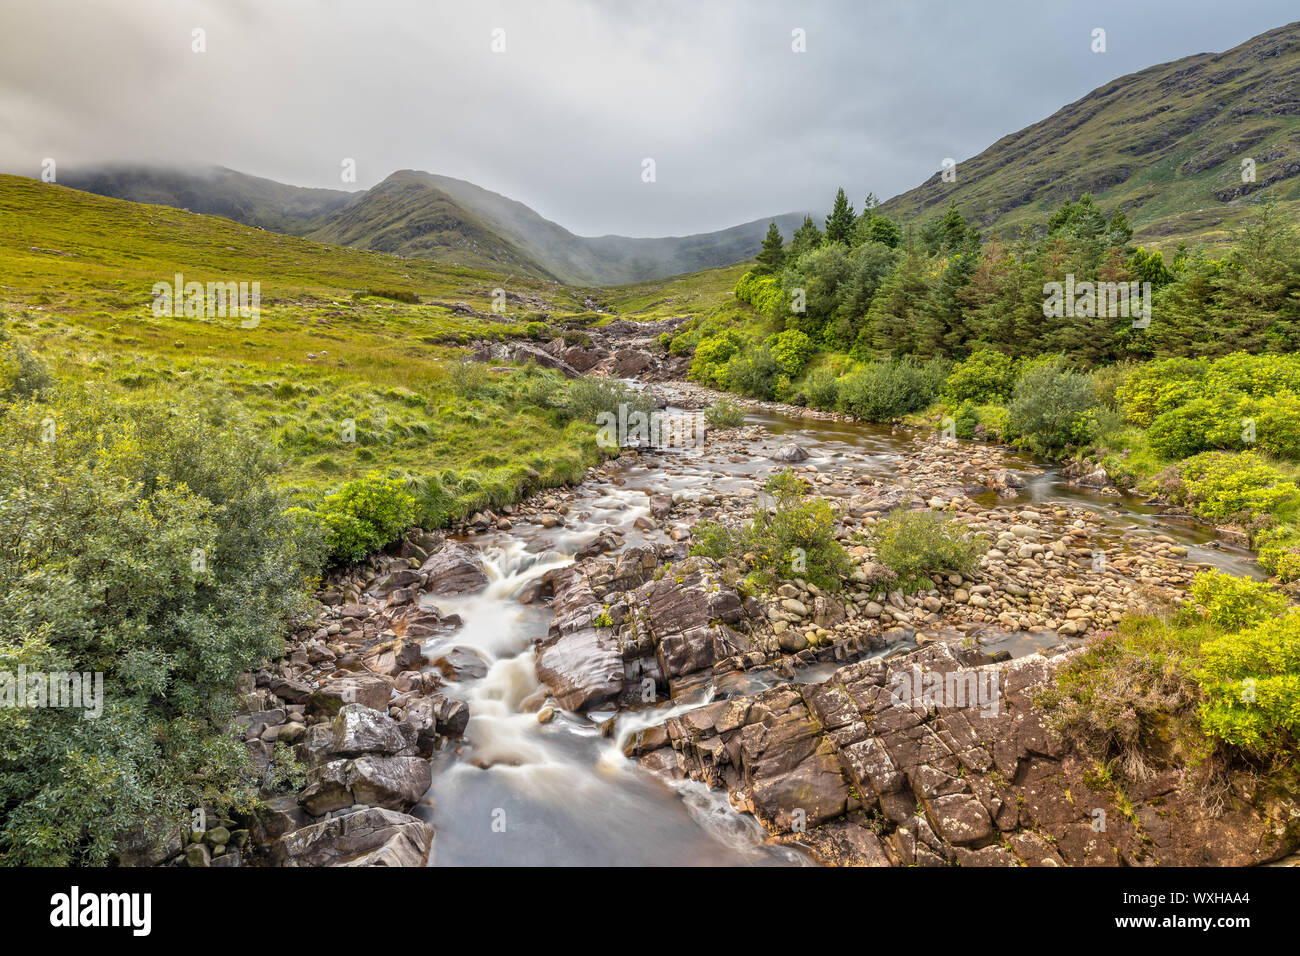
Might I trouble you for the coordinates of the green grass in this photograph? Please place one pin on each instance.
(77, 288)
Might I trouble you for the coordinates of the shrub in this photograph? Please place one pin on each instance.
(366, 514)
(1196, 426)
(755, 372)
(22, 375)
(1279, 552)
(396, 295)
(917, 543)
(1250, 682)
(724, 413)
(1256, 375)
(537, 330)
(1220, 486)
(145, 544)
(1157, 387)
(822, 388)
(1230, 602)
(711, 356)
(886, 390)
(792, 349)
(1048, 408)
(987, 377)
(795, 539)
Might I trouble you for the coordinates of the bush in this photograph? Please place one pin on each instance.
(711, 356)
(1279, 552)
(792, 349)
(366, 514)
(795, 539)
(146, 544)
(886, 390)
(587, 398)
(986, 378)
(22, 375)
(913, 544)
(1229, 602)
(1220, 486)
(1196, 426)
(1250, 682)
(537, 330)
(1158, 387)
(756, 373)
(724, 413)
(822, 388)
(1049, 405)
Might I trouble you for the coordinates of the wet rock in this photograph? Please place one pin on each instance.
(454, 569)
(461, 663)
(789, 453)
(371, 837)
(371, 692)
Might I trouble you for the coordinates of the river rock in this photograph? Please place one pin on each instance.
(789, 453)
(454, 569)
(370, 837)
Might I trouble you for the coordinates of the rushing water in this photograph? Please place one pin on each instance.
(519, 791)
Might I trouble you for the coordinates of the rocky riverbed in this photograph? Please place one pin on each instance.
(562, 682)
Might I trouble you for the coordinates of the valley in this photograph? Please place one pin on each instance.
(405, 527)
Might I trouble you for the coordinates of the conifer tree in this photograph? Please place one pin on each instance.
(771, 258)
(839, 224)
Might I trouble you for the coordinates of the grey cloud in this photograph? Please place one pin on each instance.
(739, 126)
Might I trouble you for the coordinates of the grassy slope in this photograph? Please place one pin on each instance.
(76, 282)
(1165, 144)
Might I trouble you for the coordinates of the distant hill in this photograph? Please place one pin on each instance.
(1164, 144)
(214, 191)
(429, 216)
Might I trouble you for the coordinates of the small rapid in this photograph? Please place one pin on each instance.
(522, 791)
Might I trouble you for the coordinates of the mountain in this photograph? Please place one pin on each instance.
(424, 215)
(214, 191)
(1164, 144)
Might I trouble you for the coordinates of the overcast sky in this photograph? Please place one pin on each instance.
(739, 125)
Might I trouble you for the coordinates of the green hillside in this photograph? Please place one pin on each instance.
(76, 286)
(1164, 144)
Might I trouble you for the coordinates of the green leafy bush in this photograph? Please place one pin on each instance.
(1279, 551)
(147, 544)
(890, 389)
(22, 374)
(366, 514)
(711, 356)
(1158, 387)
(587, 398)
(1231, 602)
(1220, 486)
(724, 413)
(1048, 408)
(913, 544)
(1250, 682)
(986, 378)
(822, 389)
(795, 539)
(755, 372)
(792, 349)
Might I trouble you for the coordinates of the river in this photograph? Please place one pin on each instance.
(518, 791)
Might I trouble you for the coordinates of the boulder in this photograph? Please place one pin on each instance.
(454, 569)
(370, 837)
(789, 453)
